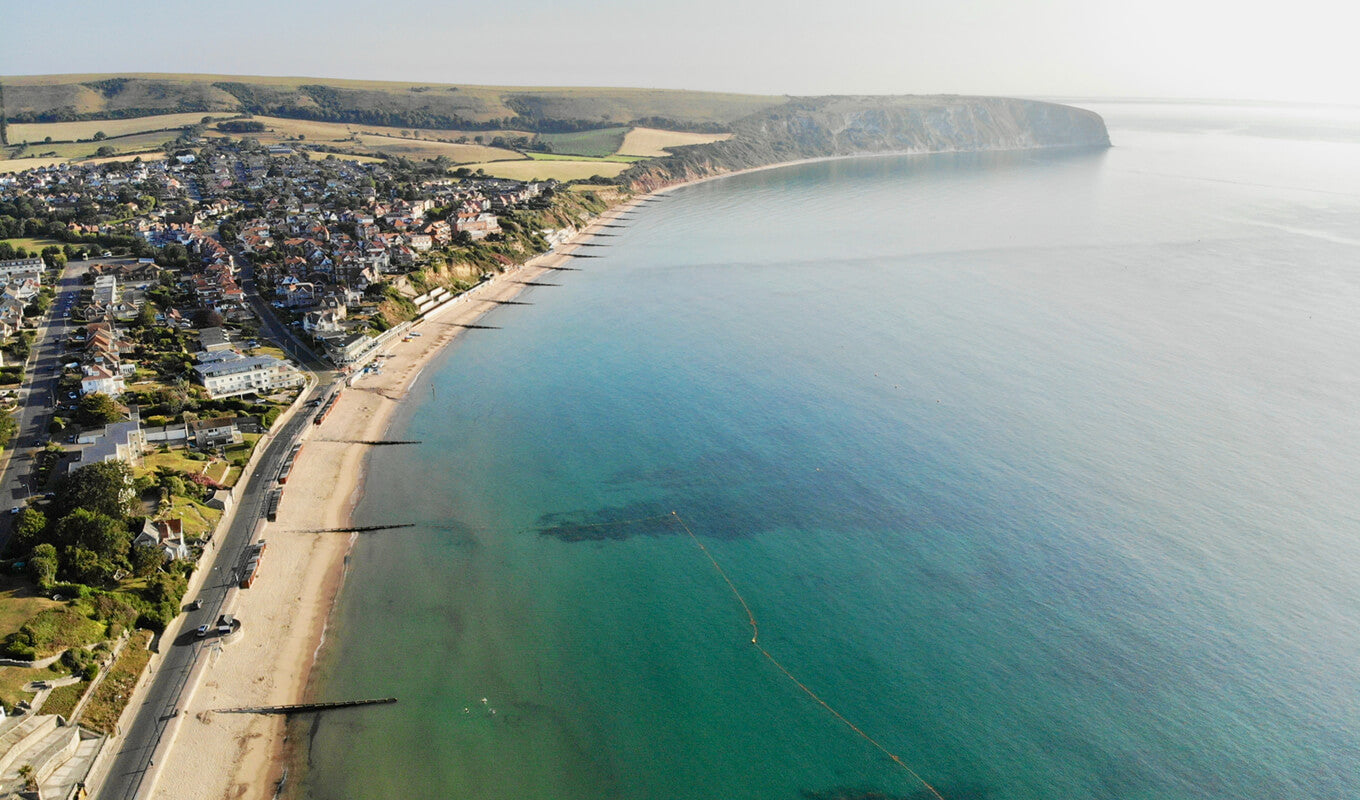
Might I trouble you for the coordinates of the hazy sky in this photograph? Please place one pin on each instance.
(1301, 50)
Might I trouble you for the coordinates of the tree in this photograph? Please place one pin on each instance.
(104, 488)
(42, 565)
(100, 136)
(146, 560)
(7, 428)
(98, 408)
(104, 152)
(29, 527)
(79, 565)
(101, 534)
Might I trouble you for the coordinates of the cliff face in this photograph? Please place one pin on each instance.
(841, 126)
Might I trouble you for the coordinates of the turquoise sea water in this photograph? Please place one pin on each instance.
(1040, 468)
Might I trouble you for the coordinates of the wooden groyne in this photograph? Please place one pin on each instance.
(509, 302)
(372, 442)
(579, 255)
(302, 708)
(362, 528)
(536, 283)
(476, 327)
(566, 269)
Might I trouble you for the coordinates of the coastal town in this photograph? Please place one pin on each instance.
(165, 321)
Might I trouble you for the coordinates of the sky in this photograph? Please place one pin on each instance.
(1303, 50)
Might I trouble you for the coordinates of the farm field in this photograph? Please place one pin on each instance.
(564, 157)
(21, 164)
(319, 156)
(651, 142)
(526, 169)
(417, 148)
(138, 142)
(340, 131)
(602, 142)
(72, 131)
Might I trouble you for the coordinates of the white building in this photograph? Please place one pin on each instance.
(99, 379)
(105, 290)
(232, 376)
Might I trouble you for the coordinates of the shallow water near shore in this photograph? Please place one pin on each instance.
(1039, 468)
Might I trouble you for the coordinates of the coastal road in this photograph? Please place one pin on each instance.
(133, 751)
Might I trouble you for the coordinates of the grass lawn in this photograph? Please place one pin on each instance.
(177, 458)
(217, 470)
(20, 602)
(112, 695)
(543, 170)
(199, 520)
(13, 679)
(33, 246)
(601, 142)
(651, 142)
(269, 350)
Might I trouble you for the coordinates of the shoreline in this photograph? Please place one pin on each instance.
(290, 608)
(287, 613)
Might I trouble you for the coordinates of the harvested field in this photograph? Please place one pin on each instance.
(74, 131)
(651, 142)
(21, 164)
(416, 148)
(544, 170)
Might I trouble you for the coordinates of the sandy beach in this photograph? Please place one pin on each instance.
(286, 611)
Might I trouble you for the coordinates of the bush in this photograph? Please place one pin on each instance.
(81, 662)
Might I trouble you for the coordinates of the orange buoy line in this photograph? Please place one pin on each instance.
(755, 641)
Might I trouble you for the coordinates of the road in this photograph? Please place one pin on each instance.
(126, 772)
(41, 373)
(134, 749)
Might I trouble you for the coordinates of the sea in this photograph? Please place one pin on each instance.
(1037, 472)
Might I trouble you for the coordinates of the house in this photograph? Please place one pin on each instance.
(117, 441)
(97, 378)
(21, 266)
(213, 339)
(343, 350)
(167, 534)
(213, 432)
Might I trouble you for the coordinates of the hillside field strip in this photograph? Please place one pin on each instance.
(420, 148)
(136, 143)
(527, 170)
(651, 142)
(75, 131)
(21, 164)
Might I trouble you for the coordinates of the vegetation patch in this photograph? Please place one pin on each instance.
(113, 692)
(51, 632)
(62, 700)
